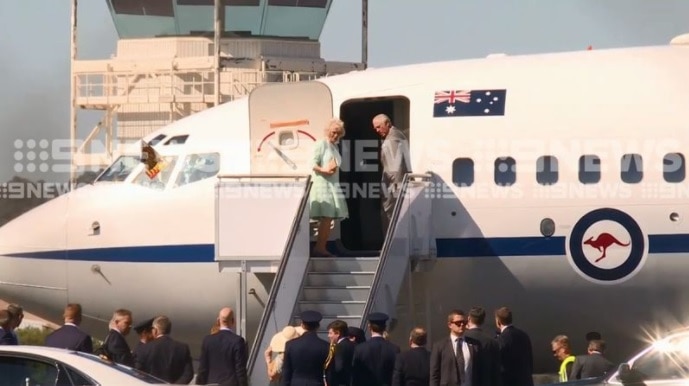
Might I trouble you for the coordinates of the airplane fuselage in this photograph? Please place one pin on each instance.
(509, 227)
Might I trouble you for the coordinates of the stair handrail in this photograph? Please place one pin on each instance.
(270, 304)
(384, 252)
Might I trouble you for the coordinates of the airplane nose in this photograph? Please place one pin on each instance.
(32, 250)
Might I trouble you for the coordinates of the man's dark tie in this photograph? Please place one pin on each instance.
(460, 360)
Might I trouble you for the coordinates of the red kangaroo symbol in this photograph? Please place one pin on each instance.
(602, 243)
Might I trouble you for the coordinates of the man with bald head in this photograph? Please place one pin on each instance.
(394, 157)
(223, 355)
(70, 336)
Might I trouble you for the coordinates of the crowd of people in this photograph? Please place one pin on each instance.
(470, 355)
(223, 356)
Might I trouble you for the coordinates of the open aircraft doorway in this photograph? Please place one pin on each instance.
(360, 149)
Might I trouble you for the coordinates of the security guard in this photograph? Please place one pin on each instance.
(305, 356)
(374, 360)
(563, 352)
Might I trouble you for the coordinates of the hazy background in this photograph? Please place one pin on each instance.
(34, 44)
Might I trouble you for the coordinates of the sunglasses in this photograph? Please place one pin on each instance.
(459, 323)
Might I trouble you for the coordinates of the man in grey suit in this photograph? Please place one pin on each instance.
(592, 365)
(394, 157)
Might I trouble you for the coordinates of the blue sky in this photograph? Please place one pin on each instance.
(34, 97)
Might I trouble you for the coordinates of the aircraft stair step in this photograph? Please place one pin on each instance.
(346, 307)
(343, 264)
(339, 278)
(335, 293)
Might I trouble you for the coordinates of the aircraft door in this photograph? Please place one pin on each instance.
(285, 121)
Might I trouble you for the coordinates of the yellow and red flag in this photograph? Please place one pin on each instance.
(153, 160)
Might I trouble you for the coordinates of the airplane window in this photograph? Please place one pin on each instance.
(589, 169)
(120, 169)
(160, 180)
(674, 169)
(546, 170)
(632, 168)
(505, 171)
(177, 140)
(198, 167)
(463, 172)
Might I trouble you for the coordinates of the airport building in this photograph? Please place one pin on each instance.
(177, 57)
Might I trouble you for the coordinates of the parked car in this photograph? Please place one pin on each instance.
(58, 367)
(664, 362)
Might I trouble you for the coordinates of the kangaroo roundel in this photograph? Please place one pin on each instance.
(607, 246)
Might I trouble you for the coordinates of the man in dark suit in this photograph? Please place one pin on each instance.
(451, 356)
(486, 362)
(516, 356)
(413, 367)
(6, 336)
(70, 336)
(164, 357)
(145, 331)
(306, 355)
(17, 312)
(356, 335)
(115, 344)
(223, 355)
(592, 365)
(374, 360)
(338, 365)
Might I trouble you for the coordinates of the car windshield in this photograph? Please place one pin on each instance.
(140, 375)
(667, 360)
(120, 169)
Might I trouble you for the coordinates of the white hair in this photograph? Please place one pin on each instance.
(382, 118)
(335, 122)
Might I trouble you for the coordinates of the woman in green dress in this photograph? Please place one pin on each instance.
(326, 201)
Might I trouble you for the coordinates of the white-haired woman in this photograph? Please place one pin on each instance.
(326, 201)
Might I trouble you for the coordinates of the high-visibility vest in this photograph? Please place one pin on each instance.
(563, 368)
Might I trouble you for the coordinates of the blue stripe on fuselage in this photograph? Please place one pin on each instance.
(446, 248)
(194, 253)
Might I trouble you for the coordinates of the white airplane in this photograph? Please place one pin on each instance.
(564, 198)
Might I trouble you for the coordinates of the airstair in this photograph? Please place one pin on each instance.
(345, 288)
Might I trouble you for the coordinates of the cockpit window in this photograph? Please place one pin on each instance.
(177, 140)
(161, 179)
(198, 167)
(120, 169)
(157, 139)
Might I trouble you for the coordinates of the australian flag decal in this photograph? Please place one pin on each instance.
(469, 103)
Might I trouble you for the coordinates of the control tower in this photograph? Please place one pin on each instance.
(177, 57)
